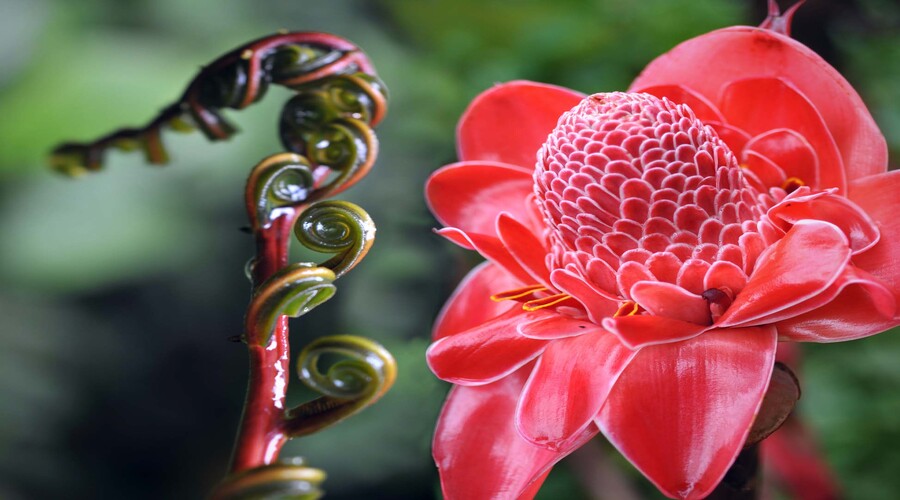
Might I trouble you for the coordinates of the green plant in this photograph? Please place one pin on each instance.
(326, 129)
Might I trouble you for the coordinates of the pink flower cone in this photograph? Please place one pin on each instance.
(646, 252)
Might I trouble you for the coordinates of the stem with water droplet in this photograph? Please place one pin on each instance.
(260, 435)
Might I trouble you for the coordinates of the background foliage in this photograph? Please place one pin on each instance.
(118, 291)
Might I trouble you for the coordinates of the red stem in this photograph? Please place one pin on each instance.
(261, 433)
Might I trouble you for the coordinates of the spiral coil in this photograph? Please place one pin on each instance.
(336, 71)
(289, 479)
(364, 372)
(338, 227)
(292, 291)
(326, 130)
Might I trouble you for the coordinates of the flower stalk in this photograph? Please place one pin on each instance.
(741, 482)
(326, 129)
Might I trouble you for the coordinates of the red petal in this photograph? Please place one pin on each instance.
(760, 105)
(645, 330)
(692, 274)
(510, 121)
(671, 301)
(596, 303)
(790, 151)
(490, 248)
(486, 352)
(724, 274)
(556, 327)
(766, 170)
(702, 107)
(471, 304)
(457, 237)
(681, 412)
(789, 353)
(568, 386)
(880, 301)
(743, 52)
(878, 196)
(478, 451)
(801, 265)
(630, 273)
(856, 306)
(470, 195)
(532, 490)
(525, 247)
(828, 207)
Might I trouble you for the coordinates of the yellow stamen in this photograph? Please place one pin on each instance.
(517, 293)
(792, 183)
(628, 308)
(552, 300)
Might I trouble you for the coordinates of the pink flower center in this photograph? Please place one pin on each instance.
(634, 188)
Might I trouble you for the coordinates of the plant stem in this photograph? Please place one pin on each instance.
(261, 435)
(742, 480)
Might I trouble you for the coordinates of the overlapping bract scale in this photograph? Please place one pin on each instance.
(637, 187)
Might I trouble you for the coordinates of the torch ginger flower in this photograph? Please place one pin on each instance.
(645, 253)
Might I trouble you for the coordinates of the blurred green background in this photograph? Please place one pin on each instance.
(118, 290)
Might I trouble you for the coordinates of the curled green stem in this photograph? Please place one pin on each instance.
(326, 128)
(364, 373)
(292, 291)
(338, 227)
(290, 479)
(281, 181)
(329, 122)
(326, 69)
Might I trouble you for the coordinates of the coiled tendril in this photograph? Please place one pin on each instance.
(280, 181)
(328, 121)
(303, 62)
(292, 291)
(337, 227)
(326, 128)
(288, 479)
(364, 373)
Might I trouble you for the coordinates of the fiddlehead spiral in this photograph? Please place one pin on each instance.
(291, 479)
(280, 181)
(338, 227)
(346, 146)
(329, 122)
(365, 372)
(326, 128)
(292, 291)
(234, 81)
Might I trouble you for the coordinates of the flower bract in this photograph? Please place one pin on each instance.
(645, 253)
